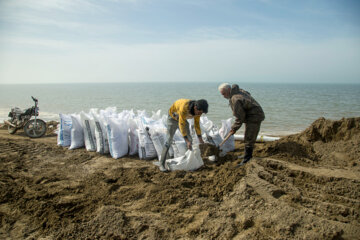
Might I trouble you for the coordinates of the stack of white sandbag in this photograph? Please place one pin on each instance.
(128, 133)
(106, 131)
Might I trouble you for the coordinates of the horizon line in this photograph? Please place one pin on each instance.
(190, 82)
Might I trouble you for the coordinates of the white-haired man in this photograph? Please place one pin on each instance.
(246, 110)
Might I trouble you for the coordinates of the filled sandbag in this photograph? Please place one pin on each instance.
(88, 123)
(101, 139)
(64, 132)
(133, 137)
(158, 137)
(191, 161)
(77, 132)
(179, 148)
(212, 137)
(102, 142)
(117, 134)
(147, 149)
(156, 115)
(229, 145)
(205, 124)
(210, 132)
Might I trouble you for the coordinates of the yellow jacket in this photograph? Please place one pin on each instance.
(180, 112)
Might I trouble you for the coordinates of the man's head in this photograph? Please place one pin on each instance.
(225, 89)
(201, 106)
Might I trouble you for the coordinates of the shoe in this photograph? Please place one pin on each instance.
(247, 156)
(163, 169)
(162, 162)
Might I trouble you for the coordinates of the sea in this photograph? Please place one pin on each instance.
(289, 107)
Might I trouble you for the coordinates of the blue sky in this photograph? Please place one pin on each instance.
(63, 41)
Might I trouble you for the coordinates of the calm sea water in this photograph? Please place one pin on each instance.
(289, 108)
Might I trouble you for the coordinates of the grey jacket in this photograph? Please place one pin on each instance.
(245, 108)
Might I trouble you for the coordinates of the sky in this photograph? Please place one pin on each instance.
(78, 41)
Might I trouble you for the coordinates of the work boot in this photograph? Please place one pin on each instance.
(162, 167)
(247, 156)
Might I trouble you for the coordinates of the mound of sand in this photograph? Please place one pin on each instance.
(327, 130)
(329, 143)
(304, 186)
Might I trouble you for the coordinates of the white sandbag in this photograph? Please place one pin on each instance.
(143, 120)
(229, 145)
(64, 134)
(147, 149)
(195, 139)
(189, 162)
(88, 124)
(133, 141)
(158, 137)
(213, 137)
(210, 132)
(179, 148)
(133, 137)
(156, 115)
(141, 113)
(117, 133)
(102, 142)
(205, 124)
(108, 112)
(77, 132)
(178, 136)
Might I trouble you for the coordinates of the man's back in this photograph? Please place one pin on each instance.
(244, 106)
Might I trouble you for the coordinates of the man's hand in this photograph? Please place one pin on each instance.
(188, 144)
(232, 132)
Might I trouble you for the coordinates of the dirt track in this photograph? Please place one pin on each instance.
(304, 186)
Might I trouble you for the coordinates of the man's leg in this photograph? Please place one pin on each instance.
(172, 125)
(251, 133)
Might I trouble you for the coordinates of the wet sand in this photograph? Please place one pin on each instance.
(304, 186)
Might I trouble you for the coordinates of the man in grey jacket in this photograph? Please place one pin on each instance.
(246, 110)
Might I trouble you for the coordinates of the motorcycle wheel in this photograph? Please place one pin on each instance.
(12, 130)
(35, 131)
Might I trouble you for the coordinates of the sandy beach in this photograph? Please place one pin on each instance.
(304, 186)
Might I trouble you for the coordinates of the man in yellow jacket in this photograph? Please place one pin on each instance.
(179, 112)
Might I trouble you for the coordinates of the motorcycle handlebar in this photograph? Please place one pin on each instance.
(35, 100)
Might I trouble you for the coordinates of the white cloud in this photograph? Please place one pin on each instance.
(332, 61)
(67, 47)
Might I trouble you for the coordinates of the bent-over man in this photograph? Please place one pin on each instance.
(245, 110)
(179, 112)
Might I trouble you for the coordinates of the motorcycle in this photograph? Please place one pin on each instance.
(33, 128)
